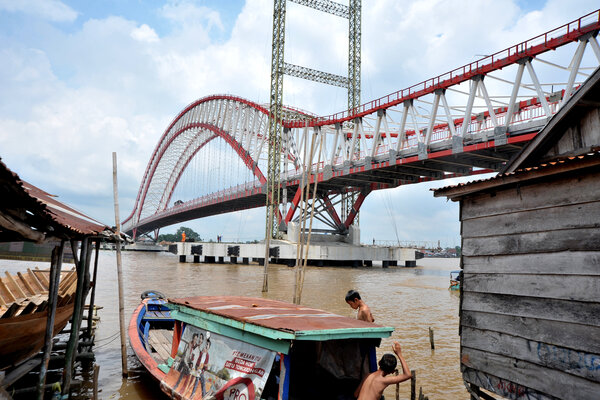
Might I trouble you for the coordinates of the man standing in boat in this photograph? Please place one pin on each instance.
(364, 312)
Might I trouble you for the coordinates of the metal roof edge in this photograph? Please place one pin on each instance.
(560, 166)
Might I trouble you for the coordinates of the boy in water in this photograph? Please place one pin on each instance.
(372, 388)
(364, 312)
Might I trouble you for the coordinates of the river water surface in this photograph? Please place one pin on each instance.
(409, 299)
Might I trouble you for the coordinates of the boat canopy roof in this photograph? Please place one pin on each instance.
(270, 319)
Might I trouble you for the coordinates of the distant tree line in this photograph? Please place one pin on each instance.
(190, 235)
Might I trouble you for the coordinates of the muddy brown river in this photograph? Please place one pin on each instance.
(409, 299)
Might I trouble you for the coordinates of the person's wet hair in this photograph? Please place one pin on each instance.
(388, 363)
(352, 295)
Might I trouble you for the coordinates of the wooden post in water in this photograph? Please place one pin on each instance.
(55, 266)
(413, 385)
(119, 270)
(431, 339)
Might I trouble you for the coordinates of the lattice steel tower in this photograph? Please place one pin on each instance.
(279, 67)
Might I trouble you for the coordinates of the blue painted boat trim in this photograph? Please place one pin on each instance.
(285, 385)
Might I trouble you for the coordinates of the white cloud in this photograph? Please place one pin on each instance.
(112, 84)
(52, 10)
(144, 34)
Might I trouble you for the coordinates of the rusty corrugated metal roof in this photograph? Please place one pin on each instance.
(277, 315)
(480, 184)
(40, 213)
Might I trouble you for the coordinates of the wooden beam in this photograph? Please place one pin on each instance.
(35, 280)
(16, 285)
(42, 278)
(26, 284)
(10, 296)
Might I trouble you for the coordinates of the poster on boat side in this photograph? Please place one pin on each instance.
(211, 366)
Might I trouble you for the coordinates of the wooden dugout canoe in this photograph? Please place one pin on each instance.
(24, 312)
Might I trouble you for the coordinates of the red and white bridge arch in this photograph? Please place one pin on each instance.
(467, 121)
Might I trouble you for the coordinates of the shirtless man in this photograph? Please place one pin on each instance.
(372, 388)
(364, 312)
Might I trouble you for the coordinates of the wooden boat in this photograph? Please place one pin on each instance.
(23, 312)
(455, 280)
(232, 347)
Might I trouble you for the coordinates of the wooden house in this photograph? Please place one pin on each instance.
(530, 300)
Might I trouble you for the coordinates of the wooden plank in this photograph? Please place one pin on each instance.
(570, 216)
(531, 307)
(42, 306)
(12, 311)
(26, 284)
(587, 239)
(35, 280)
(42, 278)
(570, 189)
(566, 287)
(503, 387)
(20, 371)
(590, 128)
(2, 301)
(18, 289)
(10, 297)
(548, 381)
(29, 308)
(565, 334)
(67, 283)
(580, 363)
(561, 263)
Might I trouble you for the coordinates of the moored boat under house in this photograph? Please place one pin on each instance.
(530, 300)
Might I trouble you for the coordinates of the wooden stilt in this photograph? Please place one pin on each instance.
(55, 267)
(93, 295)
(76, 320)
(413, 385)
(119, 270)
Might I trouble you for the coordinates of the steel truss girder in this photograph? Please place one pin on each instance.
(330, 7)
(314, 75)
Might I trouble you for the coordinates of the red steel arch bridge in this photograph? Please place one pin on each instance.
(212, 158)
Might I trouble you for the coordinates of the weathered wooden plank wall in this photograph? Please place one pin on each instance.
(530, 314)
(585, 133)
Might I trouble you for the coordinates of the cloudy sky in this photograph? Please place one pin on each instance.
(81, 79)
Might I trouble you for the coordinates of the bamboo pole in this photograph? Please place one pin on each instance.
(119, 269)
(55, 266)
(312, 214)
(265, 287)
(307, 172)
(301, 216)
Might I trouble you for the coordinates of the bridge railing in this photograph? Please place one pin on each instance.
(547, 41)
